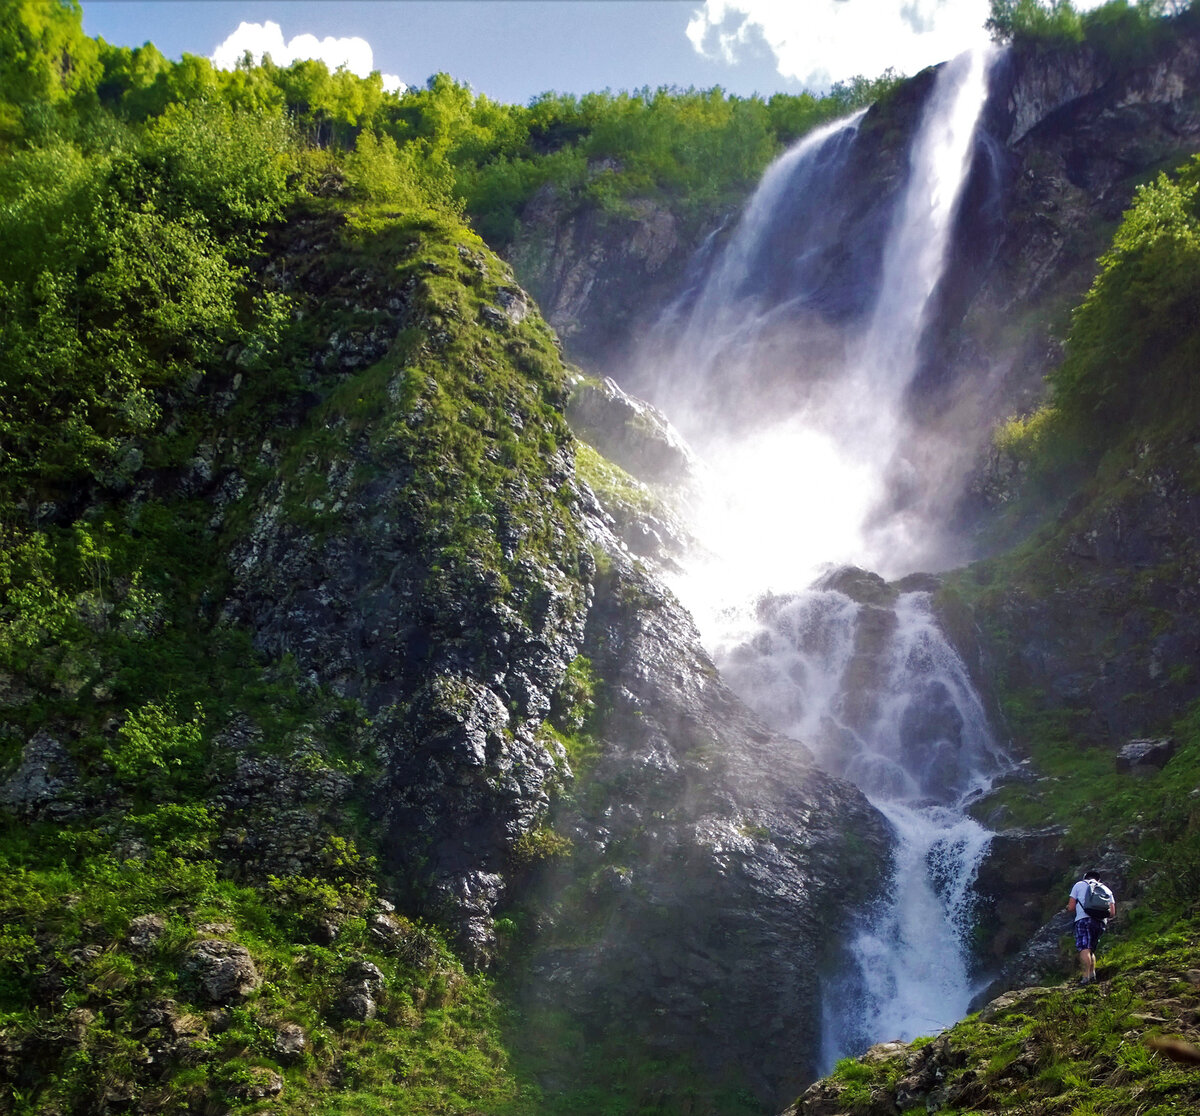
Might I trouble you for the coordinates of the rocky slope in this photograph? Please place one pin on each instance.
(393, 539)
(1129, 1041)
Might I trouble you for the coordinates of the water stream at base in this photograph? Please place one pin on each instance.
(857, 671)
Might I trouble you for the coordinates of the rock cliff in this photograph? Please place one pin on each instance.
(702, 858)
(422, 577)
(710, 859)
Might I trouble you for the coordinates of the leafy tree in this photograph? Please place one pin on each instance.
(410, 176)
(1125, 33)
(153, 739)
(330, 108)
(44, 57)
(122, 274)
(1046, 21)
(1141, 312)
(128, 76)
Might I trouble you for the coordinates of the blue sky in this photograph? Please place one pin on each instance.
(512, 50)
(509, 49)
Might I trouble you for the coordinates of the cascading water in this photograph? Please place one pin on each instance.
(874, 688)
(857, 670)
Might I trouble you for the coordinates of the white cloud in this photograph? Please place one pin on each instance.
(267, 38)
(818, 42)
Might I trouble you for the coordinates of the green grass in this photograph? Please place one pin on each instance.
(1066, 1049)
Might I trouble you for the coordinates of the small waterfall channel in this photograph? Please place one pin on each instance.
(855, 667)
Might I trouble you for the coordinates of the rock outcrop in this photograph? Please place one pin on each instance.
(1071, 136)
(450, 635)
(631, 433)
(1144, 757)
(42, 783)
(710, 858)
(593, 273)
(1019, 880)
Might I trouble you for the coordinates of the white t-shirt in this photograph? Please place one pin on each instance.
(1079, 894)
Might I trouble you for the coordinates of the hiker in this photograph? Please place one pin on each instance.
(1092, 904)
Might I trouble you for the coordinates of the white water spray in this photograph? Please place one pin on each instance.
(861, 674)
(883, 700)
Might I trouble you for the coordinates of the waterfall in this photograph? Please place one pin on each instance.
(874, 688)
(710, 338)
(786, 365)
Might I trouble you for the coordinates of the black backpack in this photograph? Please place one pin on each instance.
(1097, 901)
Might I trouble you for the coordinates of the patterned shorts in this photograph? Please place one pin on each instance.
(1087, 932)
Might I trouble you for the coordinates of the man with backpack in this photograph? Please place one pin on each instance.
(1092, 904)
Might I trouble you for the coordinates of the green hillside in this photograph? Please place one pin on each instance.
(230, 302)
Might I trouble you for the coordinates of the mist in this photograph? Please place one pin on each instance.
(788, 365)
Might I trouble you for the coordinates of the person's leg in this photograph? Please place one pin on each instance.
(1085, 944)
(1097, 930)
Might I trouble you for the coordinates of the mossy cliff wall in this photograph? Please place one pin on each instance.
(318, 676)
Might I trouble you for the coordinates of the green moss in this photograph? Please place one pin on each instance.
(114, 625)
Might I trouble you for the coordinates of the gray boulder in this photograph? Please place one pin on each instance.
(290, 1042)
(144, 931)
(1146, 757)
(361, 985)
(224, 970)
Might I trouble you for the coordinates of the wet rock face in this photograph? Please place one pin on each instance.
(455, 687)
(584, 269)
(646, 507)
(931, 728)
(279, 806)
(1042, 84)
(1072, 139)
(712, 865)
(1019, 880)
(1123, 611)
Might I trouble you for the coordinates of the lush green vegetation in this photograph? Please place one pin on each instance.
(1082, 1052)
(136, 191)
(1123, 33)
(700, 151)
(145, 350)
(1133, 343)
